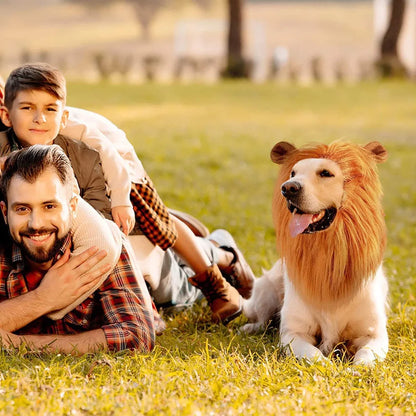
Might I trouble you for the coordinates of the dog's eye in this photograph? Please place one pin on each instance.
(292, 174)
(325, 174)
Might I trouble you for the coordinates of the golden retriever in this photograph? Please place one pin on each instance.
(328, 287)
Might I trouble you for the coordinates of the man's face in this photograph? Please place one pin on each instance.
(36, 117)
(39, 215)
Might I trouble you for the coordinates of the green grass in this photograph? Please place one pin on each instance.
(207, 149)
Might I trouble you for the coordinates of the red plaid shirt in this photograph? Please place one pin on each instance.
(117, 307)
(152, 216)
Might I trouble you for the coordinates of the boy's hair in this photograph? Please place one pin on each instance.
(29, 163)
(37, 76)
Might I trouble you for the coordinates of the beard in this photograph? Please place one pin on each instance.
(41, 254)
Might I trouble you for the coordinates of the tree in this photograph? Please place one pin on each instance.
(389, 63)
(237, 65)
(146, 11)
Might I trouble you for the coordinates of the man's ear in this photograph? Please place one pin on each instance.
(73, 205)
(3, 207)
(64, 119)
(5, 117)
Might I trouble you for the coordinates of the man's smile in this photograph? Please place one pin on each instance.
(38, 239)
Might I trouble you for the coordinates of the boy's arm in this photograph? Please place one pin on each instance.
(91, 229)
(114, 168)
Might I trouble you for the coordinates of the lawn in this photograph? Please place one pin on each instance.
(207, 149)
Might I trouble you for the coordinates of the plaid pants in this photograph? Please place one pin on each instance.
(152, 216)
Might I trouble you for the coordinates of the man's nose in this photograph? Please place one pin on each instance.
(35, 221)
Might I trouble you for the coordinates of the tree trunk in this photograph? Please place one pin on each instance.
(390, 63)
(236, 66)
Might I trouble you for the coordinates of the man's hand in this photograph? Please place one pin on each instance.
(123, 216)
(69, 278)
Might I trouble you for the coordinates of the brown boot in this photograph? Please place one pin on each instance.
(238, 273)
(224, 300)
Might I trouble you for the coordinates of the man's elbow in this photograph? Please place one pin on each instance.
(141, 343)
(137, 338)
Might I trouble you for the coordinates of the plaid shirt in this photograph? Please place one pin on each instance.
(152, 216)
(117, 307)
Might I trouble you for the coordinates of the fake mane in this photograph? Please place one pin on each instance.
(329, 266)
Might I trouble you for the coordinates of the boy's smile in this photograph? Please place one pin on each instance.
(36, 117)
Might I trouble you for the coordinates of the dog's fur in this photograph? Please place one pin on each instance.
(329, 286)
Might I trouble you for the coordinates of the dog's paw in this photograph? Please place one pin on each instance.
(252, 328)
(364, 356)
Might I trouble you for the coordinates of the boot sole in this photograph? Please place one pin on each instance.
(217, 319)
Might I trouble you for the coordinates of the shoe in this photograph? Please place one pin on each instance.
(196, 226)
(224, 300)
(238, 273)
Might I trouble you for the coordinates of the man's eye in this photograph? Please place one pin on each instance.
(21, 210)
(325, 174)
(50, 206)
(52, 109)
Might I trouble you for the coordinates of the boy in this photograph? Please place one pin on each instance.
(34, 110)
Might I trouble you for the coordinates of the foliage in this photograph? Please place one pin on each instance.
(144, 10)
(207, 149)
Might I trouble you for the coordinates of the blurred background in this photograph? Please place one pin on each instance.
(204, 40)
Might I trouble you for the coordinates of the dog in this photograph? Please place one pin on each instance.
(328, 288)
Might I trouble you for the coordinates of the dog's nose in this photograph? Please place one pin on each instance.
(291, 188)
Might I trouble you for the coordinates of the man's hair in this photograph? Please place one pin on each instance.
(36, 76)
(29, 163)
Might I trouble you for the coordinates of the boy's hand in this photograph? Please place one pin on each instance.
(69, 278)
(123, 216)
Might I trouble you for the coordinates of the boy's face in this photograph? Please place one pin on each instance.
(36, 117)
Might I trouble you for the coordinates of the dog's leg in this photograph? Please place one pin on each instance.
(371, 350)
(298, 327)
(301, 346)
(371, 342)
(261, 307)
(266, 299)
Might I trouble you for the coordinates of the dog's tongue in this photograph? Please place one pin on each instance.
(299, 223)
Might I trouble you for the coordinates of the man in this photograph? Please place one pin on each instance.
(38, 207)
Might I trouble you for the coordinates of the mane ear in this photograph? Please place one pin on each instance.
(378, 151)
(280, 152)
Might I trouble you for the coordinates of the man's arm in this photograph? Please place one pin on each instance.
(76, 344)
(62, 284)
(127, 321)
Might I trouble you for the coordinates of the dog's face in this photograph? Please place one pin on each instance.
(314, 194)
(316, 181)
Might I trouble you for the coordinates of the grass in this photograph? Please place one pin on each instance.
(206, 148)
